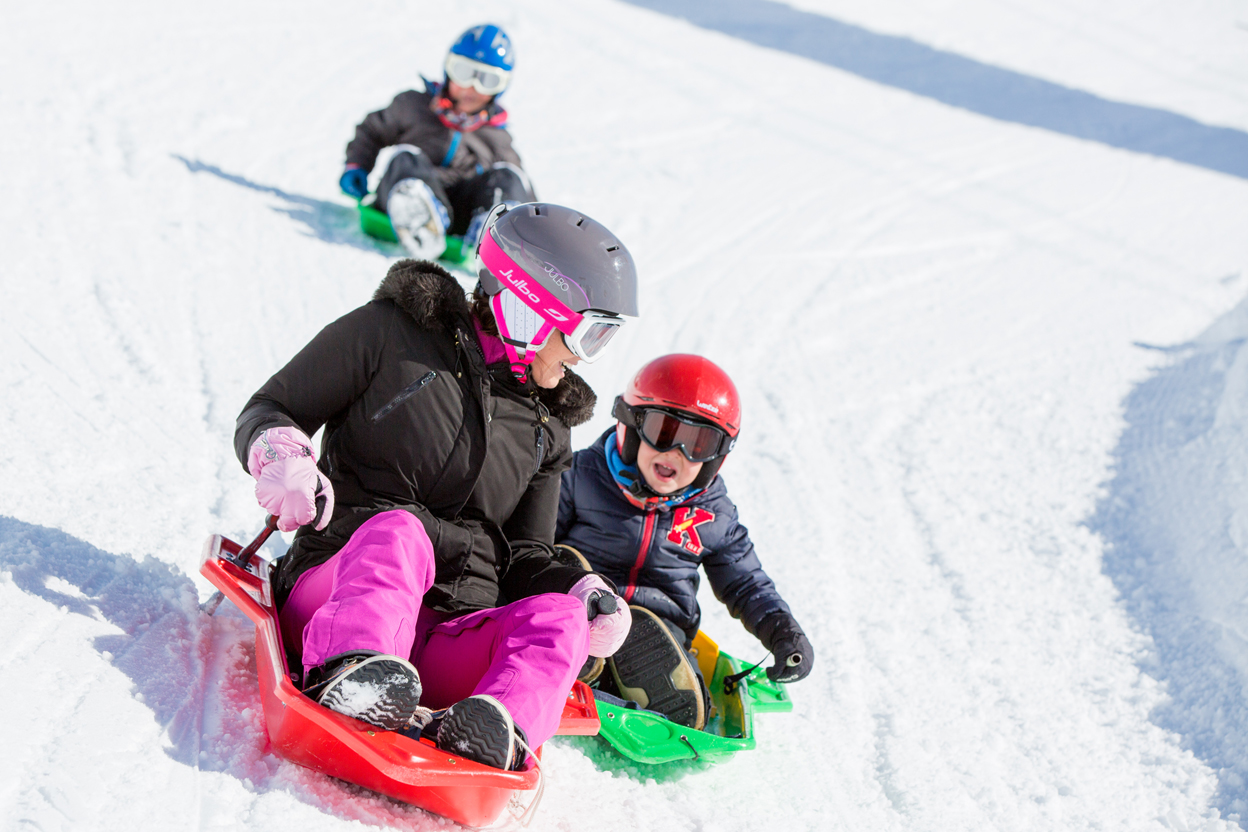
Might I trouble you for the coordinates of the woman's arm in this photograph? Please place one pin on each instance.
(531, 531)
(322, 380)
(567, 503)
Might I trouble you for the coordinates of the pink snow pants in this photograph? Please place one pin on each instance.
(368, 597)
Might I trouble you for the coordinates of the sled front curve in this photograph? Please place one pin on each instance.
(395, 765)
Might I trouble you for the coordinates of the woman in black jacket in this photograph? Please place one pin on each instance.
(434, 502)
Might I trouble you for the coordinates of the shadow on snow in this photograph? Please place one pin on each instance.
(328, 221)
(196, 673)
(1175, 523)
(968, 84)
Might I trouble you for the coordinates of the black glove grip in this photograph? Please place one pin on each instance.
(321, 502)
(794, 658)
(601, 603)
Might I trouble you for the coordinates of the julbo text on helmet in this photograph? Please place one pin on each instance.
(680, 401)
(482, 58)
(547, 268)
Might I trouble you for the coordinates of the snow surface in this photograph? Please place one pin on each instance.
(994, 381)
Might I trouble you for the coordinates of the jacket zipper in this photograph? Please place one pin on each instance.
(405, 394)
(541, 449)
(647, 532)
(543, 416)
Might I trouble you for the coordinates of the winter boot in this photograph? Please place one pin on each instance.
(653, 670)
(566, 555)
(381, 690)
(569, 556)
(480, 729)
(418, 218)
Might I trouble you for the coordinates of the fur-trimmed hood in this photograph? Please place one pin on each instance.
(427, 292)
(436, 301)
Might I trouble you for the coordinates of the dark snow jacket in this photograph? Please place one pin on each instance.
(409, 120)
(653, 556)
(415, 420)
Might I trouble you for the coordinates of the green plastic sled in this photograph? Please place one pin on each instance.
(647, 737)
(377, 225)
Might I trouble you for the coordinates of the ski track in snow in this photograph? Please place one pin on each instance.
(993, 381)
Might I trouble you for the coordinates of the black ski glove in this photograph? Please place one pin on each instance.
(792, 650)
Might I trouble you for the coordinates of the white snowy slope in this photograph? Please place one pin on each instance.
(995, 402)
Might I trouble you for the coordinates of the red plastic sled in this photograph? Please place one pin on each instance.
(397, 766)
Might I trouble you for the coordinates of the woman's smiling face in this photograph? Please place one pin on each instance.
(549, 363)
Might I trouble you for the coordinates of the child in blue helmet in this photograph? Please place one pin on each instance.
(454, 156)
(644, 506)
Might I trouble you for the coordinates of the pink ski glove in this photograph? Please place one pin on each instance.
(288, 484)
(607, 630)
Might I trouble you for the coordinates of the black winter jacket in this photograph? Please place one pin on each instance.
(415, 420)
(653, 556)
(408, 120)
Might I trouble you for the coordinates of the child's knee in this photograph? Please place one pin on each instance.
(402, 537)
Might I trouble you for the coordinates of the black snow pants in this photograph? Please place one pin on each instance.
(500, 182)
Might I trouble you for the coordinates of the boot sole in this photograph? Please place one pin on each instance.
(570, 556)
(425, 241)
(382, 691)
(479, 729)
(651, 669)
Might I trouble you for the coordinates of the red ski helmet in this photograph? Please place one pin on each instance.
(690, 384)
(695, 390)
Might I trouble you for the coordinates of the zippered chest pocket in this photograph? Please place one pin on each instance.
(405, 394)
(541, 449)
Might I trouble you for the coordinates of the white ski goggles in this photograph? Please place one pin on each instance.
(485, 79)
(524, 332)
(592, 333)
(532, 332)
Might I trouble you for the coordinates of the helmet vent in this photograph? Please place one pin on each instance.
(579, 221)
(612, 248)
(537, 210)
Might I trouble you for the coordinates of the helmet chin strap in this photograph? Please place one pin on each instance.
(522, 331)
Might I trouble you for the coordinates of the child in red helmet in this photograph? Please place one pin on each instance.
(643, 506)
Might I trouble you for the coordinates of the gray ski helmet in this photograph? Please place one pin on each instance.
(573, 257)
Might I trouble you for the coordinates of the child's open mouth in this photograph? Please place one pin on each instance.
(663, 471)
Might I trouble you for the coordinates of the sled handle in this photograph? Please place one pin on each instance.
(243, 559)
(601, 604)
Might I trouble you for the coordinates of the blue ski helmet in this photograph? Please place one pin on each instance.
(488, 44)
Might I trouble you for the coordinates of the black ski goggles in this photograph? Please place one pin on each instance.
(663, 430)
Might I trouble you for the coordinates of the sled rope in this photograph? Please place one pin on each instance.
(421, 717)
(527, 817)
(730, 682)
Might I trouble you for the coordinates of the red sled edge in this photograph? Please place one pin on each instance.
(394, 765)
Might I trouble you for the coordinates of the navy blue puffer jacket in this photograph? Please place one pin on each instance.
(653, 556)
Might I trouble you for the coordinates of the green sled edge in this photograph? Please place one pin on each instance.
(377, 225)
(649, 738)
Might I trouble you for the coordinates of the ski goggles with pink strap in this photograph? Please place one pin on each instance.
(585, 333)
(485, 79)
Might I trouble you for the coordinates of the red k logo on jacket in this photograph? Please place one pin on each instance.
(685, 522)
